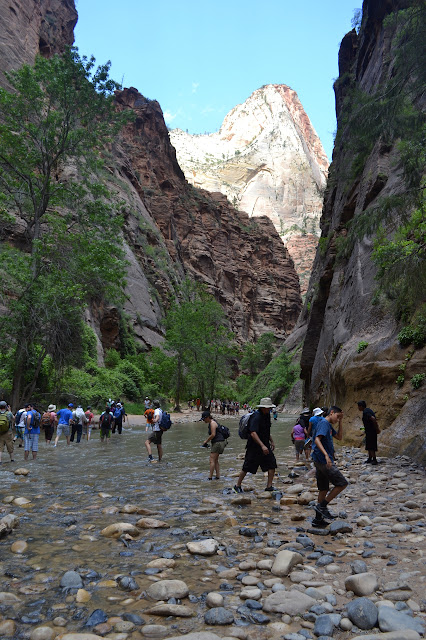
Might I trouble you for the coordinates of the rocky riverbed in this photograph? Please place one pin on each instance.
(152, 553)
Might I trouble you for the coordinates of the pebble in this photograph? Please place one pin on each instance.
(214, 599)
(71, 580)
(19, 546)
(285, 561)
(203, 547)
(288, 602)
(7, 628)
(22, 471)
(154, 631)
(177, 610)
(362, 584)
(165, 589)
(362, 612)
(118, 529)
(43, 633)
(152, 523)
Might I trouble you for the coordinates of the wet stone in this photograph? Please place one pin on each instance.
(96, 617)
(71, 580)
(248, 532)
(127, 583)
(219, 616)
(133, 617)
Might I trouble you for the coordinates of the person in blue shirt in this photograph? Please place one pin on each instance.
(64, 417)
(316, 415)
(323, 459)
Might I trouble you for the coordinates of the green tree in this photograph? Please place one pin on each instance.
(256, 356)
(54, 127)
(201, 344)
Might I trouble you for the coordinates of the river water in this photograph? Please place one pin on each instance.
(77, 490)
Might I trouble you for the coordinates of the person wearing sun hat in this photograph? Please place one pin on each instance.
(260, 445)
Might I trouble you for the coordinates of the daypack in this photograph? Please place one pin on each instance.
(224, 431)
(118, 412)
(105, 420)
(165, 422)
(35, 422)
(80, 416)
(243, 426)
(4, 423)
(45, 420)
(149, 414)
(18, 417)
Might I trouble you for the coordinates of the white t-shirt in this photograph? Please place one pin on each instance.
(159, 413)
(22, 419)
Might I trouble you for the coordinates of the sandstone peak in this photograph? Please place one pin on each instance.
(268, 160)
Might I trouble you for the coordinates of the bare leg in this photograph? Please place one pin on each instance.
(271, 473)
(148, 447)
(241, 478)
(214, 464)
(328, 497)
(160, 451)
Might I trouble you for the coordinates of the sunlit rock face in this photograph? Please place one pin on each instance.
(29, 27)
(268, 160)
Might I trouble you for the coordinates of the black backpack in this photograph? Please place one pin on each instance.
(105, 420)
(165, 422)
(243, 426)
(224, 431)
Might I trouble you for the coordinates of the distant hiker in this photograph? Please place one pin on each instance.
(218, 442)
(149, 416)
(274, 413)
(260, 445)
(303, 419)
(48, 422)
(317, 413)
(64, 427)
(87, 429)
(6, 435)
(78, 420)
(371, 430)
(20, 420)
(106, 421)
(198, 403)
(298, 435)
(32, 432)
(119, 416)
(147, 403)
(156, 435)
(326, 470)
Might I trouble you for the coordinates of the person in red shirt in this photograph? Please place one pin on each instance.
(88, 426)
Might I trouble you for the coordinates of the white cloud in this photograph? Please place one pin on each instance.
(168, 116)
(195, 86)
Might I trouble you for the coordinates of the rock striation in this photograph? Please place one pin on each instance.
(268, 160)
(340, 311)
(171, 230)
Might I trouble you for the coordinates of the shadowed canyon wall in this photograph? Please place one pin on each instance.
(341, 310)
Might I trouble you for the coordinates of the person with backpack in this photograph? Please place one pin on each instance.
(48, 422)
(89, 423)
(157, 434)
(78, 420)
(64, 426)
(32, 432)
(6, 436)
(218, 436)
(149, 416)
(20, 420)
(106, 421)
(260, 445)
(119, 416)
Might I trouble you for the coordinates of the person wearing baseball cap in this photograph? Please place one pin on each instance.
(64, 416)
(260, 445)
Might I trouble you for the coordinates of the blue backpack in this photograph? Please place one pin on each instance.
(118, 412)
(165, 422)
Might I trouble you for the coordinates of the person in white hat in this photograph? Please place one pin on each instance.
(317, 413)
(260, 446)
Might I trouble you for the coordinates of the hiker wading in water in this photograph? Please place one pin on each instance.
(218, 442)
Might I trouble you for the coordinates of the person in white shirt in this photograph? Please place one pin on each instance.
(156, 436)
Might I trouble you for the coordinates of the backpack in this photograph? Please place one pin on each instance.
(35, 422)
(149, 414)
(18, 417)
(105, 420)
(4, 423)
(118, 412)
(45, 420)
(165, 422)
(243, 426)
(224, 431)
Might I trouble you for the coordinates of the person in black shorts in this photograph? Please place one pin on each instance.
(260, 446)
(371, 430)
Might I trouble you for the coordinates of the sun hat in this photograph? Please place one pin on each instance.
(266, 403)
(51, 407)
(318, 411)
(305, 410)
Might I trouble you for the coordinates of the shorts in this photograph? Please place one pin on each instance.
(255, 458)
(6, 439)
(31, 441)
(299, 444)
(370, 440)
(63, 429)
(219, 447)
(104, 433)
(155, 437)
(326, 475)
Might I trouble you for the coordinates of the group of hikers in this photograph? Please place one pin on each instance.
(72, 422)
(312, 434)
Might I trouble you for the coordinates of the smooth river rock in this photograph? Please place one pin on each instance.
(285, 561)
(19, 546)
(165, 589)
(362, 612)
(177, 610)
(362, 584)
(203, 547)
(152, 523)
(288, 602)
(219, 615)
(392, 620)
(118, 529)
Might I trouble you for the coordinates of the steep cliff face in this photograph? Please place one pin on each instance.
(268, 160)
(341, 311)
(171, 230)
(31, 27)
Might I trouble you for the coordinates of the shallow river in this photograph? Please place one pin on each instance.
(62, 524)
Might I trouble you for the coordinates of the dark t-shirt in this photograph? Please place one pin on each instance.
(304, 420)
(367, 414)
(323, 428)
(261, 424)
(218, 437)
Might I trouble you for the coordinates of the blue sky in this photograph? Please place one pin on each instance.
(201, 58)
